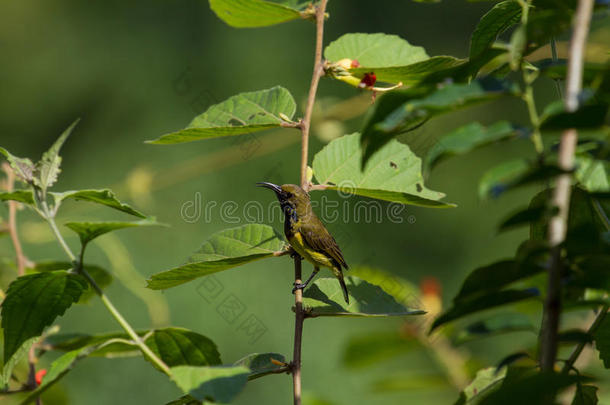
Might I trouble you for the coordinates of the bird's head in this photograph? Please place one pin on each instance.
(290, 196)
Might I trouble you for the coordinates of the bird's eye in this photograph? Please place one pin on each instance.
(288, 195)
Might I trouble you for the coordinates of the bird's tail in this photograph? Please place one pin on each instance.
(343, 287)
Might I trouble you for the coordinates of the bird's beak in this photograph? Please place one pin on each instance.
(270, 186)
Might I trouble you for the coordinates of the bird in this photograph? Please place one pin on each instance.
(307, 234)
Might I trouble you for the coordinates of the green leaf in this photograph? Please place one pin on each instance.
(253, 13)
(592, 174)
(374, 50)
(501, 17)
(182, 347)
(399, 111)
(22, 196)
(241, 114)
(496, 276)
(555, 118)
(376, 347)
(103, 197)
(260, 364)
(110, 345)
(394, 174)
(467, 138)
(533, 389)
(224, 250)
(59, 368)
(495, 325)
(101, 276)
(403, 291)
(186, 400)
(48, 168)
(526, 216)
(602, 340)
(487, 380)
(585, 395)
(219, 384)
(325, 298)
(33, 302)
(87, 231)
(9, 364)
(22, 167)
(480, 303)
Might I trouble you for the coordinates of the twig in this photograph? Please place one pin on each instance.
(318, 71)
(561, 194)
(569, 364)
(298, 332)
(12, 221)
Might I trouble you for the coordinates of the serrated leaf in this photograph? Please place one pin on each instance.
(177, 347)
(22, 196)
(220, 384)
(104, 197)
(9, 364)
(393, 174)
(482, 302)
(33, 302)
(101, 276)
(467, 138)
(87, 231)
(59, 368)
(22, 167)
(376, 347)
(401, 110)
(241, 114)
(48, 168)
(253, 13)
(325, 298)
(485, 381)
(224, 250)
(497, 20)
(261, 364)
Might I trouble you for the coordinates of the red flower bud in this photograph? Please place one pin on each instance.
(430, 286)
(39, 375)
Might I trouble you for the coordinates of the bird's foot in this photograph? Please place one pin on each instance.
(295, 255)
(298, 286)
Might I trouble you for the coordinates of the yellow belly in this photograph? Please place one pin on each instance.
(316, 258)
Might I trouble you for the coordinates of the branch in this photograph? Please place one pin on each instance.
(318, 71)
(561, 194)
(305, 125)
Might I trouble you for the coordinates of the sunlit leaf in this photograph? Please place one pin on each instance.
(241, 114)
(497, 20)
(253, 13)
(224, 250)
(219, 383)
(33, 302)
(48, 168)
(393, 174)
(324, 297)
(103, 197)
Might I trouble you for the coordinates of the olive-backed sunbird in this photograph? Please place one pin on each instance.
(307, 234)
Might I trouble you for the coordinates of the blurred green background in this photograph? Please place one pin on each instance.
(138, 69)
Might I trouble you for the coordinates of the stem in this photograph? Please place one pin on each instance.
(107, 303)
(528, 97)
(12, 221)
(298, 333)
(592, 329)
(561, 194)
(555, 59)
(318, 70)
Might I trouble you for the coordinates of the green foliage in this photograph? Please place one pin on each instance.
(178, 347)
(585, 395)
(103, 197)
(497, 20)
(23, 168)
(33, 302)
(602, 341)
(253, 13)
(219, 383)
(486, 381)
(394, 174)
(241, 114)
(224, 250)
(87, 231)
(48, 168)
(325, 298)
(22, 196)
(262, 364)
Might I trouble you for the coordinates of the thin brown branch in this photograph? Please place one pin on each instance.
(318, 71)
(298, 332)
(12, 221)
(561, 194)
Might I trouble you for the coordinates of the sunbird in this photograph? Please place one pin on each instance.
(307, 234)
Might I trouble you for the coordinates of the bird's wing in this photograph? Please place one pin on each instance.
(318, 238)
